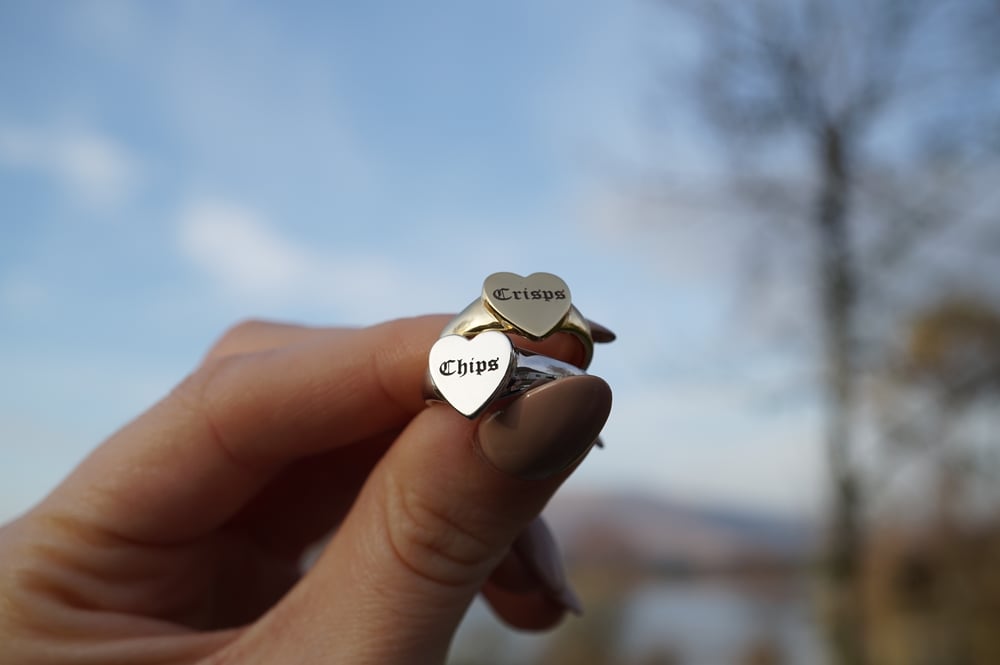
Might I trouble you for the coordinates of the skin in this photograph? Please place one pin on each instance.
(179, 539)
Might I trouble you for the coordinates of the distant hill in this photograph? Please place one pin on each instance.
(653, 531)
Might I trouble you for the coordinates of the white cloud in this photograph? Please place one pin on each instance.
(95, 169)
(250, 260)
(237, 248)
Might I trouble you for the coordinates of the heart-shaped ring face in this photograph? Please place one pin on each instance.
(535, 304)
(470, 372)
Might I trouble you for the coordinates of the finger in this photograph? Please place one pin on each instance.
(601, 334)
(565, 346)
(562, 346)
(254, 335)
(310, 497)
(194, 459)
(529, 589)
(435, 518)
(531, 609)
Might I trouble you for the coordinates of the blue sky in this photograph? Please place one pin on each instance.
(167, 169)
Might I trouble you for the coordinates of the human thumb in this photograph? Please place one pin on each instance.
(434, 519)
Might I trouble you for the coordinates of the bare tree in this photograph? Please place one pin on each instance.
(866, 92)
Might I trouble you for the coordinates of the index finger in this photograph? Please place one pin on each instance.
(189, 463)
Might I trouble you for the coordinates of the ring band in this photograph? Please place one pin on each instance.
(478, 318)
(472, 374)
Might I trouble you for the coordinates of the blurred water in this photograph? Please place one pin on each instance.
(701, 623)
(695, 622)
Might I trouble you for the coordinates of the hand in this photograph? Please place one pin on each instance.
(180, 539)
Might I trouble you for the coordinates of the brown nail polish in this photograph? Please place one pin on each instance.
(538, 551)
(548, 428)
(601, 334)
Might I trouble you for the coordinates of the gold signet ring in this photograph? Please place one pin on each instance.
(536, 307)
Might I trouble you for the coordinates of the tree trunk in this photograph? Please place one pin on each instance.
(838, 290)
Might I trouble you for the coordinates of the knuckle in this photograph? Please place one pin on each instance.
(234, 337)
(202, 395)
(195, 390)
(440, 545)
(29, 585)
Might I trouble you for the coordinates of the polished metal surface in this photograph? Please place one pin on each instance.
(550, 316)
(535, 304)
(473, 373)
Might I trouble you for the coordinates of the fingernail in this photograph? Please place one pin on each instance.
(548, 428)
(601, 334)
(538, 551)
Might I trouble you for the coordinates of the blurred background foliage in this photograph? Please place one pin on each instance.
(860, 142)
